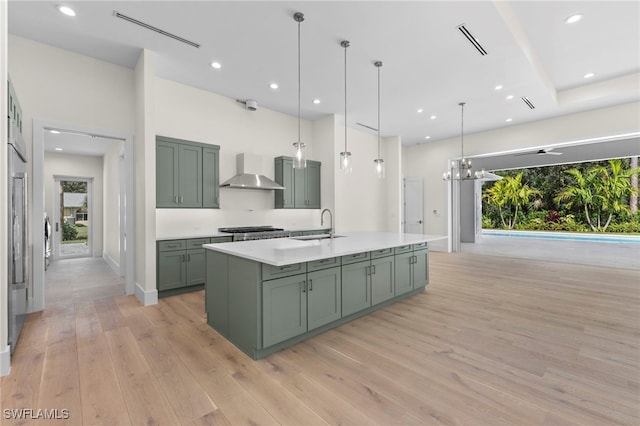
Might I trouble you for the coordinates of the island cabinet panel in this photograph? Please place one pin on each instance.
(420, 268)
(324, 297)
(284, 309)
(217, 294)
(356, 288)
(404, 272)
(382, 278)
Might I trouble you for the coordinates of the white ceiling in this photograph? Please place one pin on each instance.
(77, 144)
(428, 64)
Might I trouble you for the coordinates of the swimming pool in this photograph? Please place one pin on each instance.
(604, 238)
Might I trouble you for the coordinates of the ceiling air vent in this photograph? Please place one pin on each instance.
(528, 102)
(367, 127)
(465, 32)
(152, 28)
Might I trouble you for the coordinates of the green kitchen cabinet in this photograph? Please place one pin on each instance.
(420, 268)
(324, 297)
(356, 288)
(411, 270)
(382, 279)
(186, 173)
(302, 186)
(284, 308)
(172, 270)
(210, 177)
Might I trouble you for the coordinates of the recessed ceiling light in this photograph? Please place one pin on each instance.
(589, 75)
(420, 110)
(58, 149)
(433, 117)
(316, 101)
(499, 87)
(66, 10)
(427, 137)
(274, 85)
(216, 65)
(573, 18)
(509, 97)
(55, 132)
(508, 120)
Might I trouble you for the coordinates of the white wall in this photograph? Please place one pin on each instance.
(4, 273)
(80, 166)
(429, 160)
(111, 191)
(185, 112)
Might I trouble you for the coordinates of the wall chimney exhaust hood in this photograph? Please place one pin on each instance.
(247, 166)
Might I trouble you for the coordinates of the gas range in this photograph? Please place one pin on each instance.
(248, 233)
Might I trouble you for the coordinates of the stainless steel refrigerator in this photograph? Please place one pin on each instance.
(18, 245)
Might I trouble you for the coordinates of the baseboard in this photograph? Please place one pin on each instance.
(146, 297)
(115, 266)
(5, 361)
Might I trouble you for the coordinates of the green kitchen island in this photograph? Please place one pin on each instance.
(266, 295)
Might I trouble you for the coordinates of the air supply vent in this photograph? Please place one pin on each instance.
(465, 32)
(152, 28)
(367, 127)
(528, 102)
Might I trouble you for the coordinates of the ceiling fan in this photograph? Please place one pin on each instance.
(548, 151)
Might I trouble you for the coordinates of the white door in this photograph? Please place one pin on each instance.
(413, 217)
(72, 215)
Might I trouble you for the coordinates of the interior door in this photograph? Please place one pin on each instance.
(413, 215)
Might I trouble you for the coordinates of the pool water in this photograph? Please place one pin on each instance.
(604, 238)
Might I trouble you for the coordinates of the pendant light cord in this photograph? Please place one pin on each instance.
(345, 44)
(380, 64)
(299, 81)
(462, 129)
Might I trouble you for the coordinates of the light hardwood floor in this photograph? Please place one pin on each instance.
(492, 341)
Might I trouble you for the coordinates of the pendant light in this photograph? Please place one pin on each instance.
(461, 169)
(299, 148)
(379, 162)
(345, 156)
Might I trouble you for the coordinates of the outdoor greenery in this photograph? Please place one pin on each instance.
(74, 233)
(585, 197)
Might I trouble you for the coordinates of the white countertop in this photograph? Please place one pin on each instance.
(286, 251)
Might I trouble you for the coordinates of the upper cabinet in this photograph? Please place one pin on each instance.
(302, 186)
(187, 174)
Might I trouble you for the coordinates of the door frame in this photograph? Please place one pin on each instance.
(58, 220)
(36, 301)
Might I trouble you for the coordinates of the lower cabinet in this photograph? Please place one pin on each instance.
(382, 279)
(356, 289)
(296, 304)
(411, 270)
(172, 270)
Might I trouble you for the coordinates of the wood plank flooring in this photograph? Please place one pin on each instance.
(493, 341)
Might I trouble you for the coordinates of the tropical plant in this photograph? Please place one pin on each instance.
(510, 195)
(601, 191)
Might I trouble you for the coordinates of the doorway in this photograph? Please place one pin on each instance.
(73, 217)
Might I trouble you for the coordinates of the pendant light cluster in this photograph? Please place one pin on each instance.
(299, 148)
(461, 169)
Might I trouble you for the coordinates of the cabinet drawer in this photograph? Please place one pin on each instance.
(215, 240)
(381, 253)
(351, 258)
(420, 246)
(323, 264)
(196, 243)
(402, 249)
(172, 245)
(270, 272)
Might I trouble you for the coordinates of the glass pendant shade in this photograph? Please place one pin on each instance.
(299, 155)
(379, 167)
(345, 161)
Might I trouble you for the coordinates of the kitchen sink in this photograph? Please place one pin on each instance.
(316, 237)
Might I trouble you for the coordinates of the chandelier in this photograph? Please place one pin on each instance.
(461, 169)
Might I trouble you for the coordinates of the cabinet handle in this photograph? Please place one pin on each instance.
(184, 257)
(181, 199)
(188, 258)
(303, 286)
(176, 199)
(368, 270)
(325, 260)
(284, 268)
(374, 269)
(310, 285)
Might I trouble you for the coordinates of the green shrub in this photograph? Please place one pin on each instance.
(69, 232)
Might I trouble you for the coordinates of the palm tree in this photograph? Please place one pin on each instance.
(602, 191)
(510, 194)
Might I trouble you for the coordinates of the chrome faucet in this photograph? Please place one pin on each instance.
(322, 221)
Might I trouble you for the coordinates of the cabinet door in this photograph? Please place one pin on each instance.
(356, 292)
(420, 268)
(403, 273)
(190, 176)
(382, 279)
(300, 188)
(196, 267)
(284, 176)
(210, 178)
(284, 309)
(171, 269)
(167, 175)
(324, 294)
(312, 185)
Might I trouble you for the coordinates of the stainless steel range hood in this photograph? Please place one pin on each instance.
(247, 166)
